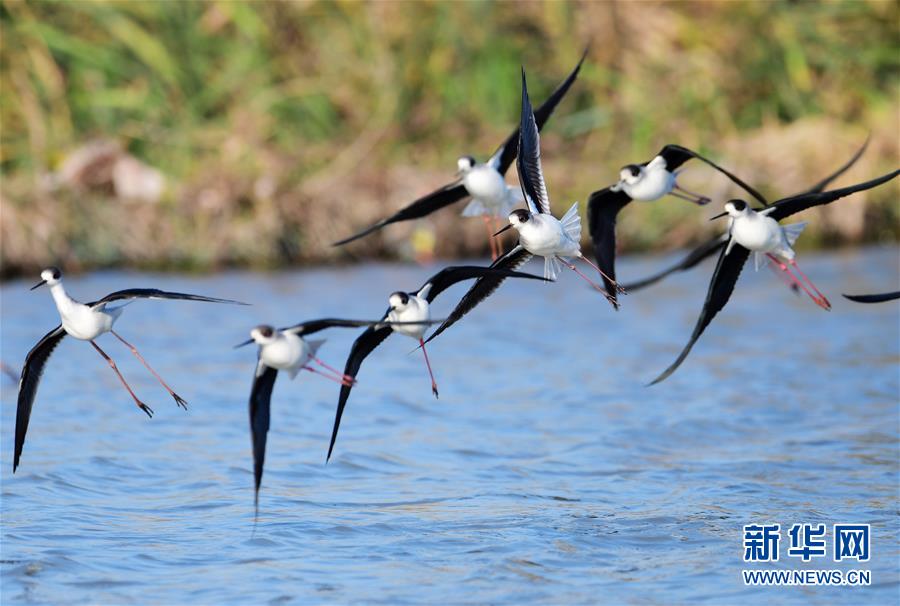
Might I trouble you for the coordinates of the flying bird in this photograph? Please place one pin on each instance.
(484, 183)
(879, 298)
(288, 350)
(714, 245)
(645, 182)
(540, 233)
(86, 322)
(408, 314)
(759, 231)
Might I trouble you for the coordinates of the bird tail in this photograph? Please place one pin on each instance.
(793, 231)
(475, 208)
(551, 268)
(571, 223)
(314, 345)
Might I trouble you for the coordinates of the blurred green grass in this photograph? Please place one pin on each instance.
(280, 127)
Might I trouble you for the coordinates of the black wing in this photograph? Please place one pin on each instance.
(312, 326)
(528, 162)
(484, 287)
(679, 155)
(711, 247)
(707, 249)
(793, 205)
(603, 206)
(446, 278)
(880, 298)
(260, 400)
(423, 206)
(28, 384)
(728, 269)
(153, 293)
(821, 185)
(362, 347)
(506, 153)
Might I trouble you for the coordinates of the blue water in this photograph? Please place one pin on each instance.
(546, 473)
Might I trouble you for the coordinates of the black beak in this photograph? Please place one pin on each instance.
(38, 285)
(719, 216)
(247, 342)
(503, 230)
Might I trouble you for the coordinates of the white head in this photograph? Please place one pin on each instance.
(398, 301)
(737, 208)
(464, 164)
(50, 276)
(263, 334)
(631, 174)
(517, 219)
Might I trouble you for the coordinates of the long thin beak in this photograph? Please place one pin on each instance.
(719, 216)
(38, 285)
(247, 342)
(503, 230)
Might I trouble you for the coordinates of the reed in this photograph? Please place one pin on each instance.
(277, 128)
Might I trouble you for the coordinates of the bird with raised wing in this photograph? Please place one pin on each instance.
(409, 313)
(540, 233)
(644, 182)
(86, 322)
(759, 231)
(288, 350)
(484, 182)
(714, 245)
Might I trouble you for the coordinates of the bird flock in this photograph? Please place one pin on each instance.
(750, 230)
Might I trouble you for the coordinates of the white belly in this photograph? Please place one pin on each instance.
(287, 353)
(487, 185)
(417, 311)
(81, 322)
(543, 235)
(654, 185)
(759, 234)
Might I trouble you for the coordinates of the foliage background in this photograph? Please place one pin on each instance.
(279, 127)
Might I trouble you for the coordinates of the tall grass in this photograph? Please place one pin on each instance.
(281, 126)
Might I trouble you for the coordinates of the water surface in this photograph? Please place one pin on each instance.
(546, 473)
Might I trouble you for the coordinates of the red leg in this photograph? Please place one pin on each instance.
(328, 376)
(818, 300)
(689, 196)
(178, 399)
(599, 271)
(591, 282)
(334, 370)
(434, 388)
(112, 365)
(823, 300)
(784, 276)
(495, 229)
(491, 238)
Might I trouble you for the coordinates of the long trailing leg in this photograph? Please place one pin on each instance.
(819, 299)
(434, 388)
(823, 298)
(600, 271)
(680, 192)
(596, 286)
(491, 238)
(496, 226)
(112, 365)
(340, 380)
(178, 399)
(785, 277)
(340, 375)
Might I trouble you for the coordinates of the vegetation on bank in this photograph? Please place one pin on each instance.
(206, 134)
